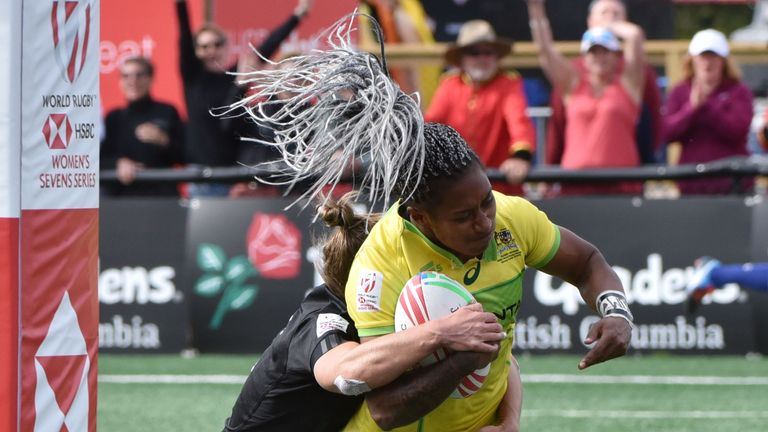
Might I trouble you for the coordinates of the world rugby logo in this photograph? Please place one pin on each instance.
(71, 25)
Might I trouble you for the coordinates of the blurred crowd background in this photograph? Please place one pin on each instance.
(492, 69)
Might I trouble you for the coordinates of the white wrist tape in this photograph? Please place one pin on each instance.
(350, 387)
(613, 303)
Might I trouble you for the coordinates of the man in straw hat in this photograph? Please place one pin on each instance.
(487, 107)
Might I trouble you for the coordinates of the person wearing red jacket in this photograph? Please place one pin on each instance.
(485, 105)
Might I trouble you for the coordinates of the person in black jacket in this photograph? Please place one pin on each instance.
(213, 141)
(144, 134)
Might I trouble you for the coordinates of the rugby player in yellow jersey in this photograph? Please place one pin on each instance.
(447, 219)
(455, 224)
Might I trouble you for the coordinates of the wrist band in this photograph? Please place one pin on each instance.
(613, 303)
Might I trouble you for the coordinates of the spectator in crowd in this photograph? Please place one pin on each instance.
(602, 100)
(710, 274)
(709, 113)
(315, 373)
(203, 60)
(485, 105)
(444, 217)
(144, 134)
(649, 127)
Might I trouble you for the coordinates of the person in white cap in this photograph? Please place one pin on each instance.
(709, 113)
(602, 100)
(486, 106)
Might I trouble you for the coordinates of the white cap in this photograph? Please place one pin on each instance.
(599, 36)
(709, 40)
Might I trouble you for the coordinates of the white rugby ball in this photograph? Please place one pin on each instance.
(432, 295)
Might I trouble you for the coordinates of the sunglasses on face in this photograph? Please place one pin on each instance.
(217, 44)
(478, 52)
(134, 75)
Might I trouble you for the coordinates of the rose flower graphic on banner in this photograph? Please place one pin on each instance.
(274, 246)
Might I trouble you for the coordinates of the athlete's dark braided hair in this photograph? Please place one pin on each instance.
(447, 156)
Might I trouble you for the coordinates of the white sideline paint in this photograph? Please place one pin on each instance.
(527, 379)
(673, 414)
(172, 379)
(642, 379)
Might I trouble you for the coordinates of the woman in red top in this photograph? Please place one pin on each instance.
(602, 101)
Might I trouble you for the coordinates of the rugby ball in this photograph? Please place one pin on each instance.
(432, 295)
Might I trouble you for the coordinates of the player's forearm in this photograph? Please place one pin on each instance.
(598, 277)
(381, 360)
(512, 404)
(415, 394)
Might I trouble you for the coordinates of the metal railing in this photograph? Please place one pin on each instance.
(735, 168)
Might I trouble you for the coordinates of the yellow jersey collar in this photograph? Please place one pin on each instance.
(490, 253)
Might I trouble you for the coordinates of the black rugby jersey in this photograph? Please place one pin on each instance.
(281, 393)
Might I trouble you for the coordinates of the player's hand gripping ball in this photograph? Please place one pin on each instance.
(431, 295)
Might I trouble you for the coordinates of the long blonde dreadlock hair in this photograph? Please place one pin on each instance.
(343, 105)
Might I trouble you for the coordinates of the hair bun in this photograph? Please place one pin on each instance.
(338, 213)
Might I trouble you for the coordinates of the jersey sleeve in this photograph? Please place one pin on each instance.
(376, 278)
(537, 236)
(324, 332)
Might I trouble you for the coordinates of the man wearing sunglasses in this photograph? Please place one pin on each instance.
(143, 134)
(204, 63)
(485, 105)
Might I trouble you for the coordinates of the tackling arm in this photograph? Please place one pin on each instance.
(381, 360)
(416, 393)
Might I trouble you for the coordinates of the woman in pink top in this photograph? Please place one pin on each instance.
(602, 101)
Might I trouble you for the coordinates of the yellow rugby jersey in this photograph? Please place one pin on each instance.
(395, 250)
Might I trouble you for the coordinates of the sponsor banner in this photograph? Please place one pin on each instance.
(760, 232)
(10, 56)
(249, 263)
(251, 22)
(153, 35)
(59, 316)
(247, 266)
(58, 228)
(759, 300)
(142, 306)
(651, 246)
(722, 330)
(9, 322)
(60, 105)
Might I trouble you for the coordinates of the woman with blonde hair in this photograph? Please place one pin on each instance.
(709, 112)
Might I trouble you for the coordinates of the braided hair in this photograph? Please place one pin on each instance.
(344, 106)
(447, 156)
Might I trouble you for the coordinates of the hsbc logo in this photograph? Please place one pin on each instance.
(71, 26)
(57, 131)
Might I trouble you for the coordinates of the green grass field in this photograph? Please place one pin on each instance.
(649, 394)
